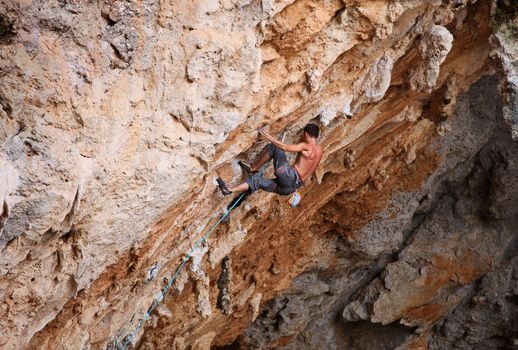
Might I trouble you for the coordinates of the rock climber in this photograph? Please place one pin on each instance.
(287, 178)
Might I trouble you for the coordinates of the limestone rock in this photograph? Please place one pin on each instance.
(116, 116)
(433, 49)
(377, 80)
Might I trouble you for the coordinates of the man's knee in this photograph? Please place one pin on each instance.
(260, 183)
(254, 182)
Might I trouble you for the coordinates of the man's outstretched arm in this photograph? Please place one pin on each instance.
(299, 147)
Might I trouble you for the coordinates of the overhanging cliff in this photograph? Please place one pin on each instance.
(117, 116)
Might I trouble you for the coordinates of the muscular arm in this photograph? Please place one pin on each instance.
(299, 147)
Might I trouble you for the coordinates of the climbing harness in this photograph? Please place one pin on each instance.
(161, 294)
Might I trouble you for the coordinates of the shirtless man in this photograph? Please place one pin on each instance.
(287, 178)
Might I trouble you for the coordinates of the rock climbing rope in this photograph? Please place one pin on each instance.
(203, 238)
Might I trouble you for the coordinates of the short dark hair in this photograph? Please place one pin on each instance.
(312, 130)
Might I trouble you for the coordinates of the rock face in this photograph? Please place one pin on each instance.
(117, 116)
(452, 257)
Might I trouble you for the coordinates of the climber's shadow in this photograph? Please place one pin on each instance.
(238, 200)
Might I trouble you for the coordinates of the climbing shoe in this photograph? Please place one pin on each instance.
(246, 167)
(224, 189)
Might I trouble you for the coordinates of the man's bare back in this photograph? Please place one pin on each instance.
(309, 153)
(308, 160)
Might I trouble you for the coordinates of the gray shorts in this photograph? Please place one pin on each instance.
(287, 179)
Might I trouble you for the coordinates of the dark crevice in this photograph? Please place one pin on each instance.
(67, 221)
(505, 11)
(66, 237)
(30, 149)
(109, 22)
(7, 31)
(20, 128)
(4, 214)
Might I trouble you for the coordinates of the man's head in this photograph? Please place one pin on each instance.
(311, 131)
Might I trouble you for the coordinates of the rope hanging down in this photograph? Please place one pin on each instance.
(196, 245)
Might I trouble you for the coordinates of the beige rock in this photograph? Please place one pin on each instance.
(433, 48)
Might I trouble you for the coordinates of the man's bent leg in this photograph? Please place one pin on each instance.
(253, 183)
(270, 152)
(257, 182)
(264, 156)
(278, 155)
(240, 188)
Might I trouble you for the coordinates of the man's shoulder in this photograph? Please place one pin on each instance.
(305, 145)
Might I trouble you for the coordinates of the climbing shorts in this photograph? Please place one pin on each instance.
(287, 179)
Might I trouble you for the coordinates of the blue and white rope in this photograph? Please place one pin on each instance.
(196, 245)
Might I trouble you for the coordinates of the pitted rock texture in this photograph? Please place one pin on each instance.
(487, 318)
(117, 116)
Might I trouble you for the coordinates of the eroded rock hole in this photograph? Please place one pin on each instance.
(66, 237)
(6, 29)
(109, 22)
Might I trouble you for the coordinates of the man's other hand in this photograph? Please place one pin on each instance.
(263, 131)
(265, 134)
